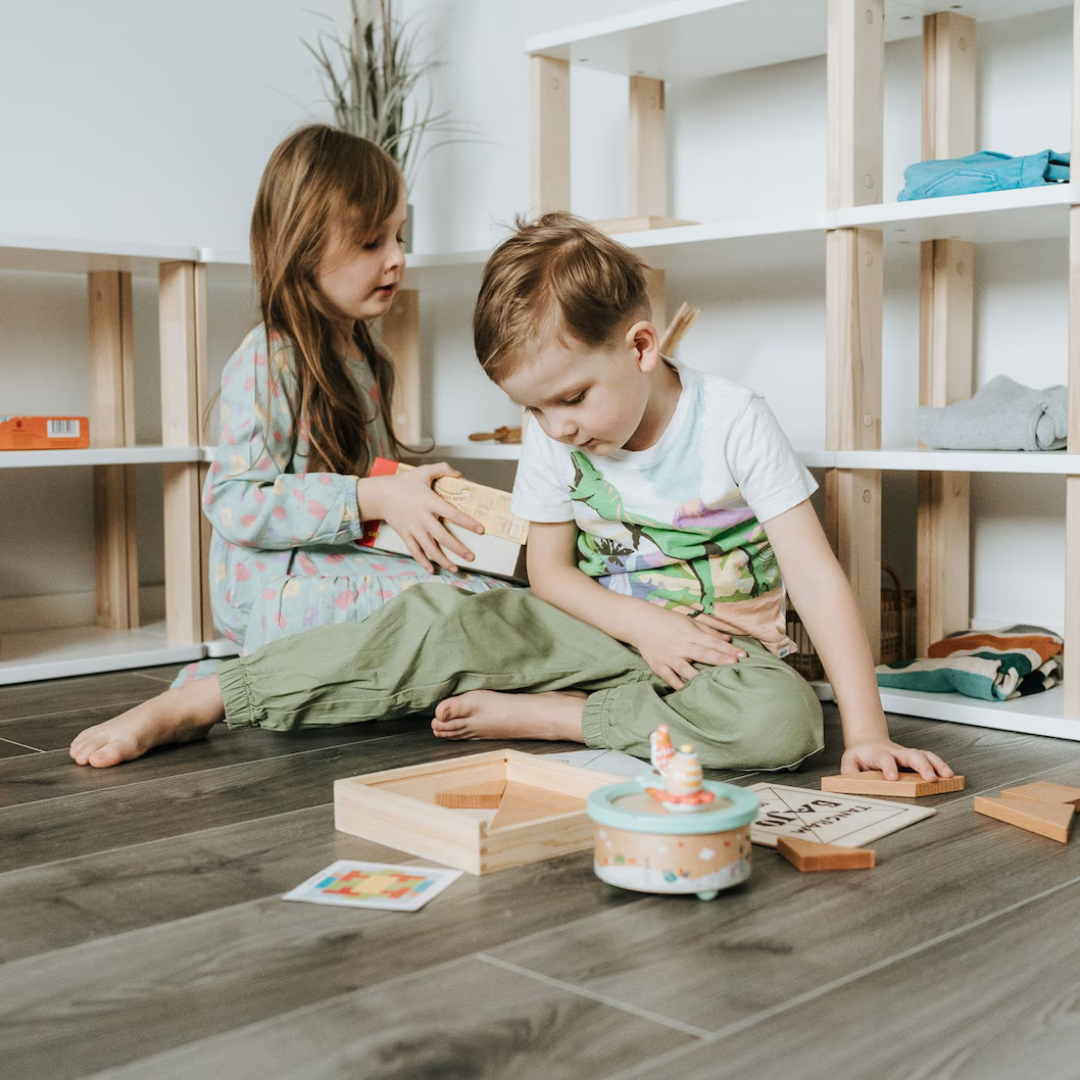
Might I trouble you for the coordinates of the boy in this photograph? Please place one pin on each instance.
(649, 487)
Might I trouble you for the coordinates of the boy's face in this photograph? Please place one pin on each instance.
(593, 399)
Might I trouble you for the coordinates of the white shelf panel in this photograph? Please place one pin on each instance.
(691, 39)
(32, 655)
(991, 217)
(477, 450)
(65, 254)
(1047, 463)
(1038, 714)
(115, 455)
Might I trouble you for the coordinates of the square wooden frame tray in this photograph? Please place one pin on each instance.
(541, 813)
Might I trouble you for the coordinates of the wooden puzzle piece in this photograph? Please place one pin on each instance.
(1051, 820)
(809, 855)
(523, 802)
(910, 785)
(484, 796)
(1044, 792)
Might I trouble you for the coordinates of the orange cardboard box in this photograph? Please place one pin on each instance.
(44, 432)
(499, 550)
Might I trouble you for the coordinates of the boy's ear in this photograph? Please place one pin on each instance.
(645, 341)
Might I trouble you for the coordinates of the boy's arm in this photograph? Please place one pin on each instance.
(669, 642)
(822, 596)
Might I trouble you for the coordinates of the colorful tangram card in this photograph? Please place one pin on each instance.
(374, 885)
(846, 820)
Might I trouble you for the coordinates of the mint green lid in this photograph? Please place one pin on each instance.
(628, 806)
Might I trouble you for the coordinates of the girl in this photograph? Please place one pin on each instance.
(304, 410)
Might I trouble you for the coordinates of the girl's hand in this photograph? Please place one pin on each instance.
(671, 643)
(407, 503)
(886, 756)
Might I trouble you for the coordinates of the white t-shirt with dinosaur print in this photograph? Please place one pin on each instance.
(680, 524)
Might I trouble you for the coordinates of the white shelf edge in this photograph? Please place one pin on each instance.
(1046, 463)
(476, 450)
(72, 245)
(111, 455)
(1037, 714)
(34, 655)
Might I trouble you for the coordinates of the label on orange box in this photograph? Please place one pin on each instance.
(44, 432)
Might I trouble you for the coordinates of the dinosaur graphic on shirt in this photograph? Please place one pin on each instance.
(701, 533)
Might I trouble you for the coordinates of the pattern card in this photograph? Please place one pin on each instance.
(374, 885)
(847, 820)
(609, 761)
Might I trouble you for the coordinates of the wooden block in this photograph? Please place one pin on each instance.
(523, 802)
(1044, 792)
(808, 855)
(910, 785)
(467, 800)
(1051, 820)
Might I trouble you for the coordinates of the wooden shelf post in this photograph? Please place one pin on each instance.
(946, 318)
(648, 148)
(400, 331)
(549, 87)
(854, 288)
(1072, 483)
(182, 302)
(112, 423)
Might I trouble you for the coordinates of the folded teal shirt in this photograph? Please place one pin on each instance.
(984, 171)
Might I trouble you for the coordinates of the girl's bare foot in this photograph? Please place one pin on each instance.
(488, 714)
(185, 714)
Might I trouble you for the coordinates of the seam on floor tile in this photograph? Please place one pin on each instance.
(25, 746)
(592, 995)
(127, 703)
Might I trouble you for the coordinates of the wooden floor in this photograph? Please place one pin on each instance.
(143, 935)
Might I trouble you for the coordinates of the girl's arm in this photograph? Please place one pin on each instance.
(249, 497)
(669, 642)
(822, 596)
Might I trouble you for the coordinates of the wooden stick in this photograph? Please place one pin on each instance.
(683, 320)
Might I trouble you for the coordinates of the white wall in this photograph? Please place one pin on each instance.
(152, 122)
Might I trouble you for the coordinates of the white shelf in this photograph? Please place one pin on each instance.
(1039, 213)
(1038, 714)
(65, 254)
(1047, 463)
(32, 655)
(692, 39)
(113, 455)
(477, 450)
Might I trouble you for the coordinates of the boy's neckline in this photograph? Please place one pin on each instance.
(674, 423)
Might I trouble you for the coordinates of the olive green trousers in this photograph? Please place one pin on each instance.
(435, 641)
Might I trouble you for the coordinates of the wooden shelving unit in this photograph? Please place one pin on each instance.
(850, 238)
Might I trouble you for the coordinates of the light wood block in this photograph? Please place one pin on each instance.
(949, 92)
(549, 91)
(1051, 820)
(655, 281)
(855, 66)
(807, 856)
(400, 330)
(640, 223)
(909, 786)
(112, 423)
(648, 148)
(1044, 792)
(541, 815)
(484, 796)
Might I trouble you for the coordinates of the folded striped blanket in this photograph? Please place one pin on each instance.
(994, 665)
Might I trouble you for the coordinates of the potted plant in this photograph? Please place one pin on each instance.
(376, 81)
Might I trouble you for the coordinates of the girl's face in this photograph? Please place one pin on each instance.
(359, 282)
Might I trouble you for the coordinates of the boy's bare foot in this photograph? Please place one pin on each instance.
(488, 714)
(185, 714)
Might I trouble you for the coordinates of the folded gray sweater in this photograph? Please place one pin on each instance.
(1003, 415)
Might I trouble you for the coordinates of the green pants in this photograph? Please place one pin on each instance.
(434, 641)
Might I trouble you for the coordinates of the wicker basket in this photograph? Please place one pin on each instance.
(897, 630)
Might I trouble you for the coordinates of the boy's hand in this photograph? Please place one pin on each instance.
(407, 503)
(886, 756)
(671, 643)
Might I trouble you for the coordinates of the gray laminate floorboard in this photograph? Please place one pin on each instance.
(142, 932)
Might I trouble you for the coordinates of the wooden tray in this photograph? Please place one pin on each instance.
(541, 810)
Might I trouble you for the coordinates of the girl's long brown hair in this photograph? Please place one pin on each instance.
(321, 184)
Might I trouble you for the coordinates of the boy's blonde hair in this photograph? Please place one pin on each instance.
(556, 277)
